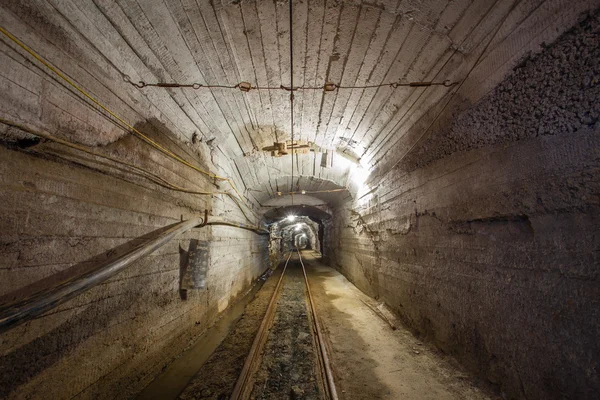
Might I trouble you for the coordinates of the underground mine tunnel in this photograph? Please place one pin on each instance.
(312, 199)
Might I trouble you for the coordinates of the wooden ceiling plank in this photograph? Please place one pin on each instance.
(224, 100)
(300, 17)
(283, 55)
(506, 53)
(76, 56)
(376, 51)
(157, 30)
(267, 16)
(415, 40)
(191, 21)
(146, 65)
(384, 64)
(314, 29)
(346, 30)
(368, 25)
(255, 43)
(427, 55)
(424, 67)
(327, 42)
(237, 38)
(212, 13)
(379, 146)
(217, 106)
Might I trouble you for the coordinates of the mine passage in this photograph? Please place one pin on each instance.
(286, 359)
(274, 352)
(426, 173)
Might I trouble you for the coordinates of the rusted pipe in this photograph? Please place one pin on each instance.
(241, 226)
(14, 314)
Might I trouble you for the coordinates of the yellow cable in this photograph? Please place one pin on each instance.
(133, 129)
(153, 177)
(97, 154)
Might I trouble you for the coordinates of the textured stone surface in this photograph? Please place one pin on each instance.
(59, 210)
(100, 45)
(485, 239)
(488, 243)
(554, 92)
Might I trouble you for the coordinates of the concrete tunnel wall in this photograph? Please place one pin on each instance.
(486, 239)
(58, 210)
(63, 211)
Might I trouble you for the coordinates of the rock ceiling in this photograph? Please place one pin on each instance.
(349, 43)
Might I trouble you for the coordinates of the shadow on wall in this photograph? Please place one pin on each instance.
(78, 269)
(71, 209)
(24, 363)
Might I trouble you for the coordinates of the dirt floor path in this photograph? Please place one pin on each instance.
(216, 378)
(370, 359)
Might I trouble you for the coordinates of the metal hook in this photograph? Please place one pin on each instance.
(140, 85)
(205, 221)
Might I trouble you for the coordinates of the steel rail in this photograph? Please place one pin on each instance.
(325, 358)
(16, 313)
(259, 340)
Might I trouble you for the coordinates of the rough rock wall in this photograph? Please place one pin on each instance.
(287, 232)
(555, 92)
(487, 239)
(62, 208)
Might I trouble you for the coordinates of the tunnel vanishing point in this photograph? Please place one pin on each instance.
(303, 199)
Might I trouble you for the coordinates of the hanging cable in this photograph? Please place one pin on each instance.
(115, 116)
(312, 191)
(140, 171)
(246, 87)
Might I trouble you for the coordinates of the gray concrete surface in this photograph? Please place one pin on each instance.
(61, 214)
(477, 223)
(486, 240)
(373, 361)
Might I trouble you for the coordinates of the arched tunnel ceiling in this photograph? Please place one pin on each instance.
(318, 190)
(350, 43)
(314, 213)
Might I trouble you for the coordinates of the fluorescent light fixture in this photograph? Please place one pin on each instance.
(291, 218)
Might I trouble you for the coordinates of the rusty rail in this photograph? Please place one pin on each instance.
(323, 350)
(259, 340)
(241, 386)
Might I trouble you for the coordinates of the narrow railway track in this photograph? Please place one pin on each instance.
(245, 383)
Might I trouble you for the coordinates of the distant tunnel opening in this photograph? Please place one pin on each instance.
(447, 175)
